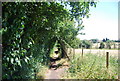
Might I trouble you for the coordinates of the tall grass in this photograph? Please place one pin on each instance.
(92, 67)
(41, 72)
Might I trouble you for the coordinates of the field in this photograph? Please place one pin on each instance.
(99, 52)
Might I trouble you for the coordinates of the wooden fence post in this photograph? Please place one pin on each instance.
(82, 52)
(107, 59)
(73, 53)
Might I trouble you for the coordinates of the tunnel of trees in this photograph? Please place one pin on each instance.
(30, 29)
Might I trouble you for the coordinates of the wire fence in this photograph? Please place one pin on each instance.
(98, 52)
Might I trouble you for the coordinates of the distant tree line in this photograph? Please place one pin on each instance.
(105, 43)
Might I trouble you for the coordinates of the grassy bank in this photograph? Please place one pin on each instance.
(41, 72)
(92, 67)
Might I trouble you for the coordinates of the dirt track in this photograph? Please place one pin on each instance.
(113, 53)
(55, 74)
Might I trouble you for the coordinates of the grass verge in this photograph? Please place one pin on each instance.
(41, 72)
(92, 67)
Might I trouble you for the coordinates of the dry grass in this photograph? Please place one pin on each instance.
(41, 73)
(99, 52)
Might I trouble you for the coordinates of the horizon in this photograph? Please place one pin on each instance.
(100, 39)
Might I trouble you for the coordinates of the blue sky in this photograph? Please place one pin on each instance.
(103, 21)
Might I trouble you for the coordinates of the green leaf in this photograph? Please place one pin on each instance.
(19, 63)
(16, 59)
(26, 60)
(12, 60)
(23, 26)
(8, 59)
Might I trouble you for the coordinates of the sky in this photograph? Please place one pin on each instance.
(102, 23)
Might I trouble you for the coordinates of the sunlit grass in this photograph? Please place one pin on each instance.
(92, 67)
(41, 72)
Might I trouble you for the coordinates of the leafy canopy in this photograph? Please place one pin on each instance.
(30, 31)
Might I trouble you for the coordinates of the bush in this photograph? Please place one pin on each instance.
(86, 44)
(102, 45)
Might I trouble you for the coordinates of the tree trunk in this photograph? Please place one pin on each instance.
(64, 50)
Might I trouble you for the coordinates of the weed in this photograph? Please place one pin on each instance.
(92, 67)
